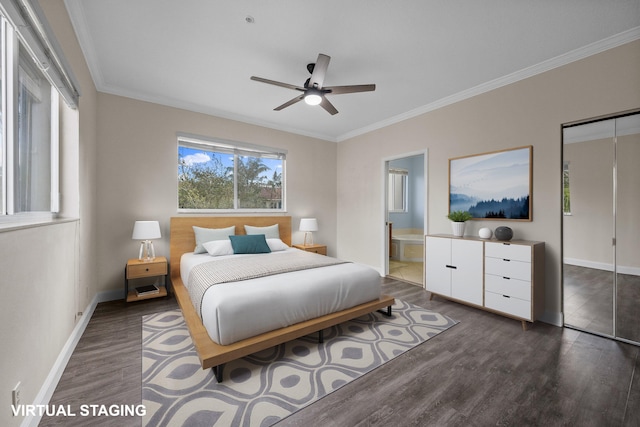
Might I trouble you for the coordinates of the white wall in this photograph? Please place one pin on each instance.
(122, 166)
(79, 157)
(47, 272)
(37, 308)
(529, 112)
(589, 228)
(137, 175)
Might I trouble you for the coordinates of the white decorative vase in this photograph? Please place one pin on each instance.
(458, 228)
(485, 233)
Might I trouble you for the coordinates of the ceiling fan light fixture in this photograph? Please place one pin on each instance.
(312, 97)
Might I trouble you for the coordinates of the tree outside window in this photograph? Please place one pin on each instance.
(225, 177)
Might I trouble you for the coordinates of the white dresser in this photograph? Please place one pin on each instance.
(502, 277)
(455, 268)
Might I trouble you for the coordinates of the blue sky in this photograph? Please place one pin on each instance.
(502, 174)
(192, 156)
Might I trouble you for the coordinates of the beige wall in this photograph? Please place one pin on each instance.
(37, 311)
(589, 229)
(48, 272)
(120, 165)
(529, 112)
(137, 175)
(79, 151)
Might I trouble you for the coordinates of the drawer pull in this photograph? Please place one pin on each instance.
(451, 266)
(507, 260)
(506, 296)
(506, 278)
(146, 269)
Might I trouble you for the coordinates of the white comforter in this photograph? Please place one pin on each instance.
(234, 311)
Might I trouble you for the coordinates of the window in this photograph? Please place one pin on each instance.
(223, 175)
(566, 192)
(398, 190)
(29, 135)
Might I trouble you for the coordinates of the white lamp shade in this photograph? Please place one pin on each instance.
(308, 224)
(146, 230)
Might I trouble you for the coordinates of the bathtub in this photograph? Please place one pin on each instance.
(407, 247)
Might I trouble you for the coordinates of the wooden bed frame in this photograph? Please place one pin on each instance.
(213, 355)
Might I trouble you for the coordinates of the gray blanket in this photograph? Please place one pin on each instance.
(235, 269)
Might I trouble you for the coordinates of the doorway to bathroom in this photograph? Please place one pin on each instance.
(405, 213)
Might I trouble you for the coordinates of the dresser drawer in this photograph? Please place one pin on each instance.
(508, 251)
(508, 268)
(146, 270)
(509, 305)
(511, 287)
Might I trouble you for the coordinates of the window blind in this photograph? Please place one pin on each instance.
(34, 32)
(231, 147)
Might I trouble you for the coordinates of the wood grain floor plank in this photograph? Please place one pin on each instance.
(483, 371)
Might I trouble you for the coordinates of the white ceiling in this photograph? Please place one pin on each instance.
(421, 54)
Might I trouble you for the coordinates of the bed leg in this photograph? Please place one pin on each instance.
(387, 312)
(217, 371)
(321, 336)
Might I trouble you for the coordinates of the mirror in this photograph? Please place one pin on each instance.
(601, 233)
(628, 228)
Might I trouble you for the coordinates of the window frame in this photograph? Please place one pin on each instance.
(394, 174)
(10, 46)
(235, 148)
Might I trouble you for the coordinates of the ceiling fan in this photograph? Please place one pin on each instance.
(313, 92)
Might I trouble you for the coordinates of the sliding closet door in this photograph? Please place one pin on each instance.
(628, 228)
(588, 227)
(601, 227)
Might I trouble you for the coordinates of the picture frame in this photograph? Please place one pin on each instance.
(493, 186)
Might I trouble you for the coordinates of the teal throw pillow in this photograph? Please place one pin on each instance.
(250, 244)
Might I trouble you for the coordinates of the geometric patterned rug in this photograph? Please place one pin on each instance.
(265, 387)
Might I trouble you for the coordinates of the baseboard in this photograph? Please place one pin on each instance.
(552, 318)
(51, 382)
(107, 296)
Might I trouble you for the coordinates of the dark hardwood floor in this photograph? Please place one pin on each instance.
(589, 296)
(484, 371)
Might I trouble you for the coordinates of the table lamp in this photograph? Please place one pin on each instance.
(145, 231)
(308, 225)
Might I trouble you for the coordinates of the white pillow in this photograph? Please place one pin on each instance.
(218, 247)
(277, 245)
(270, 232)
(209, 234)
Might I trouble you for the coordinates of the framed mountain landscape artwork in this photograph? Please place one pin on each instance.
(494, 185)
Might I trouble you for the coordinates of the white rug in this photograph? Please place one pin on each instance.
(261, 389)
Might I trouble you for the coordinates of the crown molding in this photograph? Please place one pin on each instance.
(575, 55)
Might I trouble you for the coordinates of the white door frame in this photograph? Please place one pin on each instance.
(385, 198)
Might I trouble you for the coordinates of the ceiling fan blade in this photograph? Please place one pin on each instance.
(291, 102)
(328, 106)
(273, 82)
(319, 71)
(335, 90)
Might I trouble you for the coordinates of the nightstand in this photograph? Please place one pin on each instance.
(318, 249)
(138, 270)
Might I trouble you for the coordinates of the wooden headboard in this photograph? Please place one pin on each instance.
(183, 239)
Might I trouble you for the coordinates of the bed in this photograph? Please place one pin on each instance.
(214, 355)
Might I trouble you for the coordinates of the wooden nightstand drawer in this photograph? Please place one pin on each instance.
(146, 269)
(143, 274)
